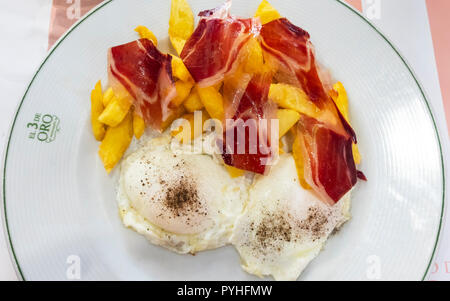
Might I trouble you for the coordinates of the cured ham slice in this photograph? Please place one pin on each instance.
(214, 53)
(291, 51)
(246, 138)
(212, 50)
(326, 139)
(328, 159)
(145, 74)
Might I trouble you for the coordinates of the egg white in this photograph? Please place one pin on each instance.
(283, 226)
(143, 204)
(268, 222)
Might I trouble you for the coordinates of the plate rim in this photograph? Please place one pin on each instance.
(6, 230)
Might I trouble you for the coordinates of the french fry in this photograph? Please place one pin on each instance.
(107, 96)
(187, 137)
(178, 44)
(146, 33)
(293, 98)
(193, 102)
(115, 112)
(255, 60)
(287, 119)
(280, 147)
(183, 132)
(356, 153)
(299, 164)
(341, 100)
(180, 71)
(218, 86)
(234, 172)
(116, 141)
(181, 24)
(212, 100)
(138, 125)
(177, 113)
(183, 90)
(266, 12)
(98, 128)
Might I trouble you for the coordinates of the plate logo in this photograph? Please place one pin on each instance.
(44, 127)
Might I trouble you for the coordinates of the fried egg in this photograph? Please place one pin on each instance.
(188, 203)
(283, 226)
(184, 202)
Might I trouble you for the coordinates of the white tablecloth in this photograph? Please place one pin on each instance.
(24, 33)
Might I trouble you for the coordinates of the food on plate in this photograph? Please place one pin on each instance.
(174, 115)
(234, 172)
(251, 105)
(287, 119)
(243, 139)
(116, 141)
(181, 24)
(193, 102)
(98, 128)
(138, 125)
(266, 12)
(107, 96)
(220, 36)
(326, 139)
(189, 130)
(254, 56)
(179, 70)
(297, 154)
(146, 33)
(183, 90)
(283, 226)
(339, 96)
(140, 72)
(212, 100)
(115, 111)
(184, 202)
(293, 98)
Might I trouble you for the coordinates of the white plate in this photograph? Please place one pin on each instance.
(60, 205)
